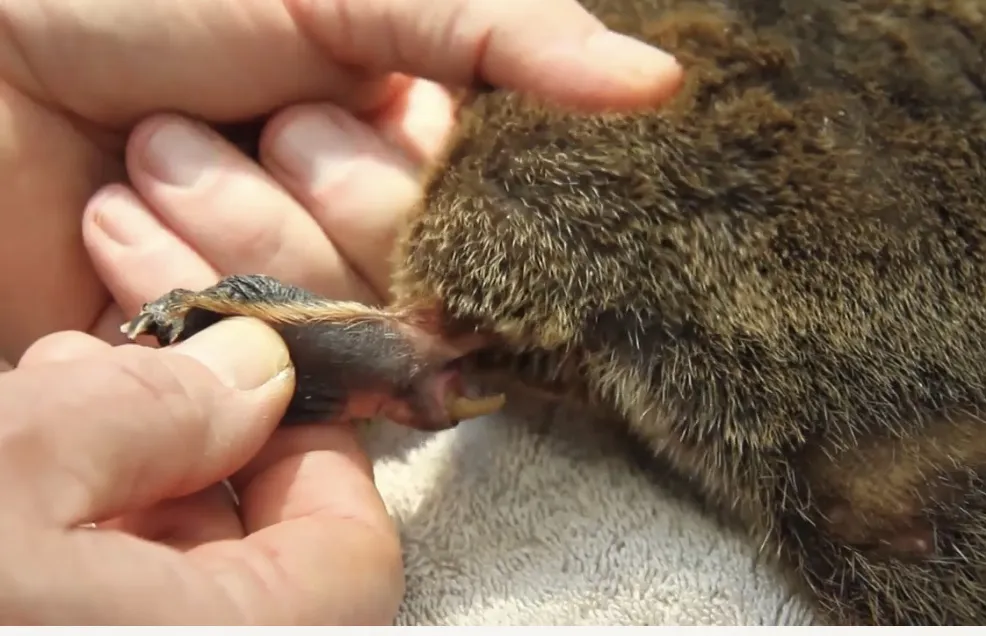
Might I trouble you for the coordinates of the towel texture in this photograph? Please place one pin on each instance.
(538, 516)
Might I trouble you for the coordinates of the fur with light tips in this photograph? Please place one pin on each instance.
(777, 280)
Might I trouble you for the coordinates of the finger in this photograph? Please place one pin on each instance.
(62, 346)
(238, 60)
(138, 258)
(230, 211)
(231, 60)
(48, 169)
(185, 522)
(551, 47)
(418, 120)
(321, 541)
(297, 440)
(354, 184)
(140, 425)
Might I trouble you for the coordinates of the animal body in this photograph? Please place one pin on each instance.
(777, 282)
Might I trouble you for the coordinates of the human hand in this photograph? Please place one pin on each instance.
(76, 76)
(164, 236)
(138, 443)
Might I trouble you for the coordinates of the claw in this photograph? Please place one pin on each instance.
(137, 326)
(466, 408)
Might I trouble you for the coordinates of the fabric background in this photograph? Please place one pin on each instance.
(540, 516)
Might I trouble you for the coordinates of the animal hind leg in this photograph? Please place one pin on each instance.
(349, 358)
(869, 584)
(894, 528)
(181, 313)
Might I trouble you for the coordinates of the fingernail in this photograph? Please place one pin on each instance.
(243, 353)
(122, 218)
(423, 123)
(179, 153)
(635, 60)
(313, 147)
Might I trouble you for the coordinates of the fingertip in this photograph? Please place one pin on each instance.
(419, 121)
(141, 134)
(354, 183)
(556, 49)
(243, 353)
(599, 70)
(231, 213)
(115, 225)
(645, 72)
(112, 217)
(136, 255)
(286, 139)
(177, 154)
(115, 222)
(321, 150)
(147, 424)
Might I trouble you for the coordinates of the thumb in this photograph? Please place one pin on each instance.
(139, 425)
(552, 47)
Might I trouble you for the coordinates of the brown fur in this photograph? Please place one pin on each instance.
(777, 280)
(296, 313)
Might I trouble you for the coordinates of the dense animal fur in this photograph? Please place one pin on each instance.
(777, 280)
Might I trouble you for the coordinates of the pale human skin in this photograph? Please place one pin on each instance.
(137, 436)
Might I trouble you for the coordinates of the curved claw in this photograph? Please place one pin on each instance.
(137, 327)
(466, 408)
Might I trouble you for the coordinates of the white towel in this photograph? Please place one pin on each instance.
(536, 516)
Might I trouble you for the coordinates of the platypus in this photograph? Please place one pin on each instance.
(776, 282)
